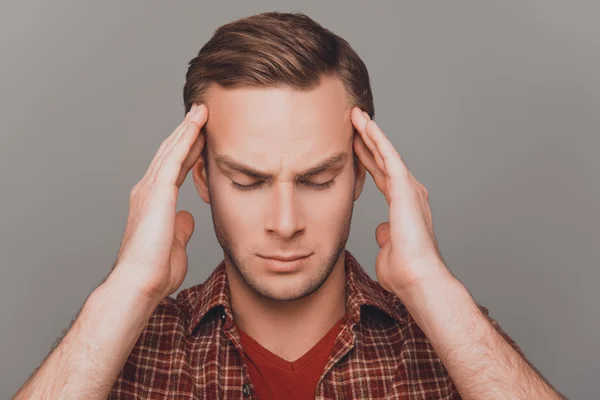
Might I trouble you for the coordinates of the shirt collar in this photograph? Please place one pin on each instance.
(360, 288)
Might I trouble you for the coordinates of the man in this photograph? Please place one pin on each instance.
(289, 313)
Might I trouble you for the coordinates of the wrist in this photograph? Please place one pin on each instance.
(433, 299)
(439, 279)
(87, 361)
(114, 316)
(122, 283)
(438, 305)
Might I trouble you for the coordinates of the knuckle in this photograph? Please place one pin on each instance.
(405, 174)
(165, 141)
(161, 148)
(134, 191)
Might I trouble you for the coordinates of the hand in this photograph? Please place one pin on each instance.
(153, 255)
(409, 253)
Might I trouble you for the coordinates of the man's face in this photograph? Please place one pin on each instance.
(281, 134)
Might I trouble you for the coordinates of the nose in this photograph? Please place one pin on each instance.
(284, 215)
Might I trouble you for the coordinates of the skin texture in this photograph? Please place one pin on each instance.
(481, 363)
(151, 264)
(283, 133)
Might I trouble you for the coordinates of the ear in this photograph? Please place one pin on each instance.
(360, 175)
(201, 180)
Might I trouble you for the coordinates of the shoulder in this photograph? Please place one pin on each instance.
(391, 313)
(158, 351)
(392, 349)
(169, 318)
(395, 343)
(413, 334)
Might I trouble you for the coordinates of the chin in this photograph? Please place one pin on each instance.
(285, 294)
(288, 286)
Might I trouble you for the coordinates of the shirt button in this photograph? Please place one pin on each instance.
(246, 389)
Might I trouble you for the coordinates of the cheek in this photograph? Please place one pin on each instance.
(237, 212)
(329, 208)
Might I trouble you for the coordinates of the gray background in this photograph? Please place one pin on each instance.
(493, 105)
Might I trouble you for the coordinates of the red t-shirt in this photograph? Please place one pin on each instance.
(276, 378)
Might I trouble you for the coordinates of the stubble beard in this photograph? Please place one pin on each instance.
(263, 291)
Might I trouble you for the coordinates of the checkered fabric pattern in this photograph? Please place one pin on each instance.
(191, 349)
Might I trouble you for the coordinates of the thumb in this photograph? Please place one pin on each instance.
(382, 234)
(184, 227)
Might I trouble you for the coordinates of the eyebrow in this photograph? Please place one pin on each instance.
(322, 166)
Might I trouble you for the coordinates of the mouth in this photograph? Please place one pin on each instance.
(289, 257)
(284, 264)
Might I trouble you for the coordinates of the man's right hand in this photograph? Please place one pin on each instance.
(153, 256)
(151, 264)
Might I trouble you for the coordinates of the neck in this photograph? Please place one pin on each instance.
(289, 328)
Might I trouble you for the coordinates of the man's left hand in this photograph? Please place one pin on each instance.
(409, 255)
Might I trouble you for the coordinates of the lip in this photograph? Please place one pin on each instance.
(284, 265)
(285, 258)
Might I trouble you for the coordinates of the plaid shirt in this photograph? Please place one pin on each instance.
(191, 349)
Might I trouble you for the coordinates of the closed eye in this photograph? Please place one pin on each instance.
(316, 186)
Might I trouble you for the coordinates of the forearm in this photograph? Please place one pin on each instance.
(87, 362)
(480, 362)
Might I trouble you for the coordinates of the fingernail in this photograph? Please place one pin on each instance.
(194, 107)
(366, 115)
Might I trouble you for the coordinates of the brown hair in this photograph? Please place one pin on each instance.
(275, 49)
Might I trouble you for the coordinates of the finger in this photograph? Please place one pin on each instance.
(174, 138)
(373, 149)
(170, 167)
(394, 166)
(192, 158)
(372, 146)
(366, 158)
(382, 234)
(195, 116)
(167, 142)
(360, 122)
(184, 227)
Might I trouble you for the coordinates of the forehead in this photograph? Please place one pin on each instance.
(278, 127)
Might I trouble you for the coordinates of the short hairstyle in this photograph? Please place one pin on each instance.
(276, 49)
